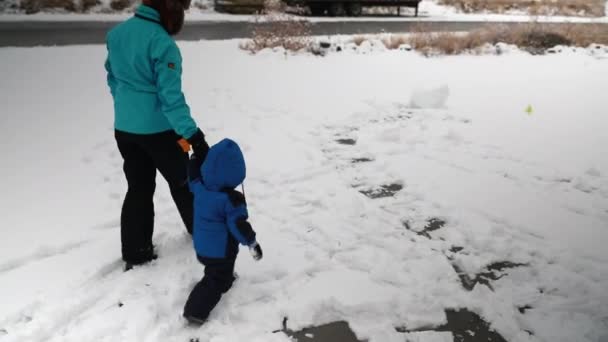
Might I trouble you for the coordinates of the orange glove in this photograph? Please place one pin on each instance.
(183, 143)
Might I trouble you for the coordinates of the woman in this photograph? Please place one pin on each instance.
(152, 119)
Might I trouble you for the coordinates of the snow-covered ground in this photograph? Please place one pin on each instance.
(350, 157)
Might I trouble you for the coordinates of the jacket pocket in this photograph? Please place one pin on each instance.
(211, 239)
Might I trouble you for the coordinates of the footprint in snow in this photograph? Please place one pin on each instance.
(490, 273)
(361, 160)
(522, 309)
(108, 225)
(115, 196)
(100, 145)
(584, 187)
(432, 224)
(456, 249)
(105, 270)
(387, 190)
(398, 117)
(346, 141)
(593, 172)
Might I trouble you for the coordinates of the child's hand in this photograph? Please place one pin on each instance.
(256, 251)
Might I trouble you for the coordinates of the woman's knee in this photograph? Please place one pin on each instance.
(141, 189)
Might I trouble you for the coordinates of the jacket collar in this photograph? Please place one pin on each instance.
(147, 13)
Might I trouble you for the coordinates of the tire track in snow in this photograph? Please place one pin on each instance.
(69, 314)
(63, 316)
(108, 225)
(40, 254)
(104, 271)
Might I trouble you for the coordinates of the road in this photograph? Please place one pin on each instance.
(25, 34)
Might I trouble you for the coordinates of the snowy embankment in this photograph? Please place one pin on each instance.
(195, 16)
(425, 16)
(389, 190)
(429, 10)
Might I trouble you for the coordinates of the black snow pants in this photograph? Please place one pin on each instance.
(218, 279)
(143, 154)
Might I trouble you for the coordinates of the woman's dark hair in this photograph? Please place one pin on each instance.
(171, 13)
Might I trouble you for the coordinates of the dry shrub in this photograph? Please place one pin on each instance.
(119, 5)
(431, 43)
(277, 29)
(584, 35)
(86, 5)
(594, 8)
(280, 30)
(534, 38)
(358, 40)
(34, 6)
(274, 7)
(393, 42)
(200, 5)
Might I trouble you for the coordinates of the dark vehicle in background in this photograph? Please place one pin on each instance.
(353, 8)
(334, 8)
(239, 6)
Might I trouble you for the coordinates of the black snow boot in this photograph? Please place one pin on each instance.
(195, 321)
(142, 257)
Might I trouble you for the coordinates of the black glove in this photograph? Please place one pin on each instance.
(199, 145)
(256, 251)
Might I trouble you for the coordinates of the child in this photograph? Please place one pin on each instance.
(220, 223)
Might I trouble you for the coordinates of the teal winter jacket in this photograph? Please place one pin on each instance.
(144, 68)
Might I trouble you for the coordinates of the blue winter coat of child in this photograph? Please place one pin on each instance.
(220, 212)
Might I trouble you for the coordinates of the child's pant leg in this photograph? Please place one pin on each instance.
(218, 279)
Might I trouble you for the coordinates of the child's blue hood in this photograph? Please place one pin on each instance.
(224, 166)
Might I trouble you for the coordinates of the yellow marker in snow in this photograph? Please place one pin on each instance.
(529, 110)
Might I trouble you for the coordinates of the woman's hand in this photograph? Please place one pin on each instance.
(200, 148)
